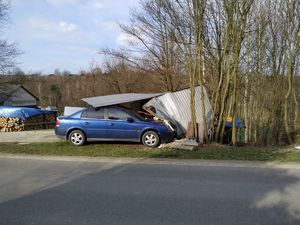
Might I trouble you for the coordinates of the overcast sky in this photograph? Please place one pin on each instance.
(66, 34)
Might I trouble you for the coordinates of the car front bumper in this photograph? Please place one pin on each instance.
(167, 137)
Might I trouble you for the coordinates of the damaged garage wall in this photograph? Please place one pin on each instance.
(175, 107)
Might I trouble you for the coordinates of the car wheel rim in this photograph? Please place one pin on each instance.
(150, 139)
(76, 138)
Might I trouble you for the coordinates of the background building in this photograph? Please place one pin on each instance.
(16, 95)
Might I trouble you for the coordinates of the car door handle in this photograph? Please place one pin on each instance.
(86, 123)
(110, 124)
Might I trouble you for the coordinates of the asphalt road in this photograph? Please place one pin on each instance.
(42, 192)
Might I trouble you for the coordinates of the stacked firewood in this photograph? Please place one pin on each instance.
(11, 124)
(42, 121)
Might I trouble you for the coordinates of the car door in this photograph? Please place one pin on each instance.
(119, 128)
(94, 124)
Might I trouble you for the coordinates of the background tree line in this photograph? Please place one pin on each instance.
(62, 88)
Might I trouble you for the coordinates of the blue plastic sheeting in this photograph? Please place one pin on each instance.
(21, 112)
(239, 124)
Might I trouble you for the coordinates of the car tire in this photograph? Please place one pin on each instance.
(151, 139)
(77, 138)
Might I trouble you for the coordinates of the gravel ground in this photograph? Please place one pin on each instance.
(29, 136)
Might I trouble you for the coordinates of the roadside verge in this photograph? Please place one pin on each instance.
(209, 152)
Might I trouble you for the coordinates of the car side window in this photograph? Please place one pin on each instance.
(93, 114)
(117, 114)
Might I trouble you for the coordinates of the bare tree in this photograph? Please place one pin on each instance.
(153, 46)
(8, 51)
(291, 12)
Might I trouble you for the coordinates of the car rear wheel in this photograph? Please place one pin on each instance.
(77, 138)
(151, 139)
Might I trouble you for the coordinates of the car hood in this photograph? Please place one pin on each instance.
(154, 122)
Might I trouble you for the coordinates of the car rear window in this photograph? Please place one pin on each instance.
(93, 114)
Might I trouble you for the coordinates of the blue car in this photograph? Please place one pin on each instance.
(112, 123)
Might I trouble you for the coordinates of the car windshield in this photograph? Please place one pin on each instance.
(141, 116)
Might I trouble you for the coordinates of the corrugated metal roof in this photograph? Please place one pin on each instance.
(118, 99)
(175, 107)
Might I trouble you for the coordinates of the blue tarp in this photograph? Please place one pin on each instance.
(228, 124)
(21, 112)
(239, 124)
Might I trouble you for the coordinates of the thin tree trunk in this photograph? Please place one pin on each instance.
(286, 100)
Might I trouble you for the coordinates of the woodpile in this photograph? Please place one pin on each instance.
(11, 124)
(42, 121)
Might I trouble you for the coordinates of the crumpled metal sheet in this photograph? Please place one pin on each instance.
(175, 107)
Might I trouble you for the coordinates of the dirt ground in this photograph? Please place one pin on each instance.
(29, 136)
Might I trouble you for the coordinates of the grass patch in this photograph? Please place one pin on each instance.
(213, 152)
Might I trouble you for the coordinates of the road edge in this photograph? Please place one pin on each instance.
(153, 161)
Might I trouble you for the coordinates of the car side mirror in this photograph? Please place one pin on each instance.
(130, 120)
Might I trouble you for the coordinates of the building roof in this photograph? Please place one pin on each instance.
(6, 90)
(118, 99)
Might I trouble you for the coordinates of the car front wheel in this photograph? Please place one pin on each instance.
(77, 138)
(151, 139)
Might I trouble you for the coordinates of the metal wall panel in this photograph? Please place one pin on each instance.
(71, 110)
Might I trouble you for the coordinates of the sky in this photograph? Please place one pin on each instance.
(66, 34)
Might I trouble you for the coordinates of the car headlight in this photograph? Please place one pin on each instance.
(168, 125)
